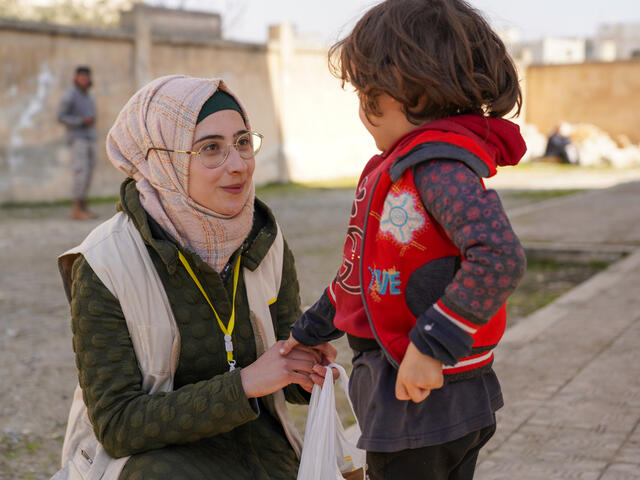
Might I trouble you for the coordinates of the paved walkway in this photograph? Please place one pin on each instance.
(553, 176)
(571, 371)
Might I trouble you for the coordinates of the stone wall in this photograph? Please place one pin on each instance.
(322, 136)
(603, 94)
(311, 125)
(37, 67)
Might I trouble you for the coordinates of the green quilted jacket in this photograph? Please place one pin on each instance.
(206, 427)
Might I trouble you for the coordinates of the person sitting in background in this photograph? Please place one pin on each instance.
(77, 111)
(559, 145)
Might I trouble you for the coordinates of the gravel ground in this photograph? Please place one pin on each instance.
(36, 359)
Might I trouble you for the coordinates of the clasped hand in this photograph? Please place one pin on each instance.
(286, 363)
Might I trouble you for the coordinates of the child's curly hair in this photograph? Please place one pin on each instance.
(436, 57)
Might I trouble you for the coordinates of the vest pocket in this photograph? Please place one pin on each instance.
(81, 462)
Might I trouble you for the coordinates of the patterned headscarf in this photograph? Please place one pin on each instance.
(163, 114)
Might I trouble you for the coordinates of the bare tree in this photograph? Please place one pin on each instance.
(233, 12)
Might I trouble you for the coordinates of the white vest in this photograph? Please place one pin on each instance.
(117, 254)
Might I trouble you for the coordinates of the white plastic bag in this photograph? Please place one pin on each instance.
(327, 451)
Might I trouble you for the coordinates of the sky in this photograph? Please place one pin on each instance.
(248, 20)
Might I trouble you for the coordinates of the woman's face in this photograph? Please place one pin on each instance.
(223, 189)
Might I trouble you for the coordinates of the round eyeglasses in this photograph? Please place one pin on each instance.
(214, 152)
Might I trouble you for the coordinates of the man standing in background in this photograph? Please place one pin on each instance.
(78, 113)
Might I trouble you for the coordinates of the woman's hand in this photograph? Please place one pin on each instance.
(320, 372)
(328, 352)
(273, 371)
(418, 375)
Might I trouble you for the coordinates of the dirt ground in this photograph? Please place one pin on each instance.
(37, 370)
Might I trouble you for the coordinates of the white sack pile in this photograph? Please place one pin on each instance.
(594, 146)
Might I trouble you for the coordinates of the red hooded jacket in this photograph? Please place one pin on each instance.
(391, 234)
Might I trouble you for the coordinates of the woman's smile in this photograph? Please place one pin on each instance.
(235, 188)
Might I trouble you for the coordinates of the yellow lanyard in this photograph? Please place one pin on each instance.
(228, 330)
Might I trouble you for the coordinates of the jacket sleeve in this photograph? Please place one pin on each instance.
(315, 325)
(65, 111)
(126, 419)
(493, 259)
(287, 311)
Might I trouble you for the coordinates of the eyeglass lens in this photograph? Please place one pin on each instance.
(214, 152)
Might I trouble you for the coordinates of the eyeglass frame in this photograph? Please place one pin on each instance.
(189, 152)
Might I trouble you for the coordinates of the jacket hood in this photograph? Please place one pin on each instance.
(500, 138)
(493, 142)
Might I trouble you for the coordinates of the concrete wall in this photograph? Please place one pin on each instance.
(311, 126)
(322, 136)
(38, 62)
(245, 70)
(604, 94)
(37, 67)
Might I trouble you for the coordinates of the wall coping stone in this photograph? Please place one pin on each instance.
(120, 34)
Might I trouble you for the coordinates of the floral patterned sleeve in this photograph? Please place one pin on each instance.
(493, 259)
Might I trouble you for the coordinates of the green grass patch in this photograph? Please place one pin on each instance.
(298, 187)
(280, 188)
(57, 203)
(347, 182)
(540, 195)
(32, 447)
(565, 167)
(546, 279)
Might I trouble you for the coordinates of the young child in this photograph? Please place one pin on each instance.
(430, 256)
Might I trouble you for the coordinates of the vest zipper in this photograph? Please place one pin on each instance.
(361, 275)
(86, 455)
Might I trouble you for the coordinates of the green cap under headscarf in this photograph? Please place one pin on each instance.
(220, 100)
